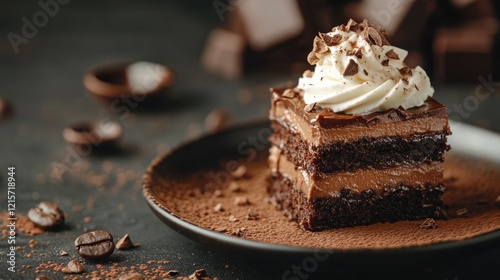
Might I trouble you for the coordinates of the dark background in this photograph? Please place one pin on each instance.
(43, 81)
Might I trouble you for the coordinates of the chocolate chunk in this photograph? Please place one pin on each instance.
(352, 25)
(385, 62)
(374, 36)
(288, 93)
(73, 267)
(124, 243)
(392, 54)
(308, 74)
(319, 45)
(405, 71)
(331, 40)
(428, 224)
(355, 52)
(351, 69)
(309, 107)
(312, 58)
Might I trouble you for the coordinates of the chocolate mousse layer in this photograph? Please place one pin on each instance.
(350, 208)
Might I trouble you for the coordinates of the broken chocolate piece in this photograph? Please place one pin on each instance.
(124, 243)
(309, 107)
(385, 62)
(319, 45)
(312, 58)
(351, 69)
(289, 93)
(331, 40)
(405, 71)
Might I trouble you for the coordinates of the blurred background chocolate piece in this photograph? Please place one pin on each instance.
(269, 23)
(137, 81)
(441, 35)
(89, 137)
(5, 108)
(223, 53)
(217, 120)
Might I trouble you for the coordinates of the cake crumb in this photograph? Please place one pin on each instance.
(218, 207)
(232, 218)
(234, 187)
(429, 223)
(241, 201)
(125, 243)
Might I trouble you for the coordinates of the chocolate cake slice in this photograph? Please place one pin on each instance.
(341, 159)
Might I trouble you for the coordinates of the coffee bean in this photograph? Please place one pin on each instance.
(46, 215)
(95, 245)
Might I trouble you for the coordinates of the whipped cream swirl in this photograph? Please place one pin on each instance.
(358, 72)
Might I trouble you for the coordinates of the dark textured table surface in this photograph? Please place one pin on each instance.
(43, 80)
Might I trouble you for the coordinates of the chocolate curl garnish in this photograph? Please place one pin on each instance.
(331, 40)
(351, 69)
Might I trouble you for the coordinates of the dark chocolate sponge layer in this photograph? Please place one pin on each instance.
(379, 153)
(348, 208)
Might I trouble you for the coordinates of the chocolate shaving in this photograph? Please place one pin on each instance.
(351, 69)
(405, 81)
(385, 62)
(392, 54)
(405, 71)
(331, 40)
(309, 107)
(319, 45)
(288, 93)
(366, 72)
(308, 74)
(416, 87)
(312, 58)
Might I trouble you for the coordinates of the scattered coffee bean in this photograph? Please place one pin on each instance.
(95, 245)
(46, 215)
(198, 274)
(74, 267)
(124, 243)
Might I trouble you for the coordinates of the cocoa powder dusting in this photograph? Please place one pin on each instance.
(472, 182)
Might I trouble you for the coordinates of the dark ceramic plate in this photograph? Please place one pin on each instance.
(466, 139)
